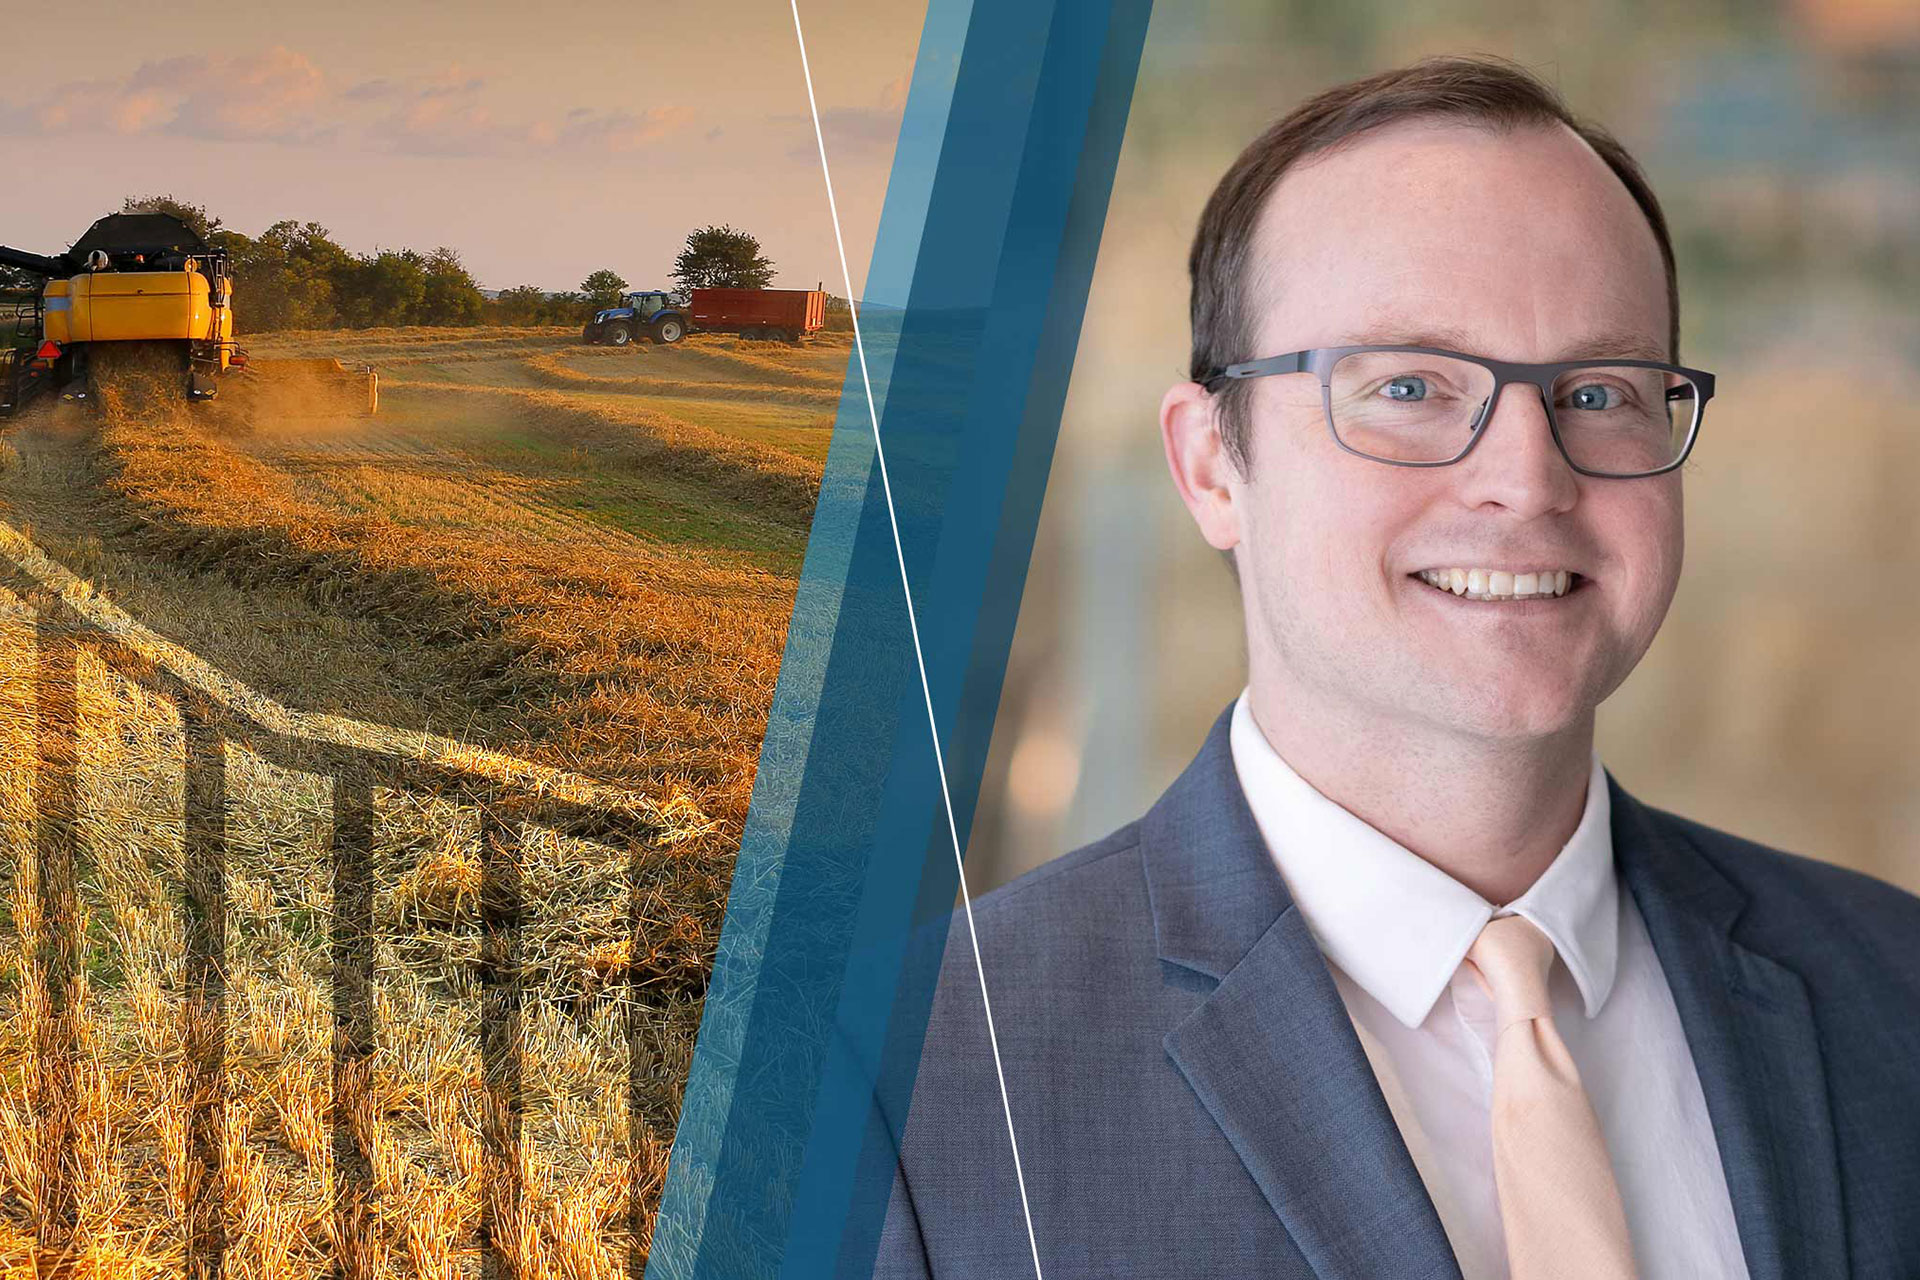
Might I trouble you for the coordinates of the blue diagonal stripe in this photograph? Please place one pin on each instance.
(814, 1018)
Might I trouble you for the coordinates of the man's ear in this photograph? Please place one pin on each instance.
(1197, 457)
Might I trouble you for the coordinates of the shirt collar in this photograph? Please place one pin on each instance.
(1395, 923)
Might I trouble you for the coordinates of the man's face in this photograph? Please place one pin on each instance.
(1521, 246)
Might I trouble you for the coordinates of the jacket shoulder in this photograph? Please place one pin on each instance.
(1098, 881)
(1810, 905)
(1083, 913)
(1062, 874)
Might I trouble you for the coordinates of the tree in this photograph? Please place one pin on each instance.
(385, 289)
(722, 258)
(289, 278)
(451, 295)
(603, 288)
(568, 308)
(522, 304)
(195, 216)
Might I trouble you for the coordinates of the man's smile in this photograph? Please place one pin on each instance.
(1483, 584)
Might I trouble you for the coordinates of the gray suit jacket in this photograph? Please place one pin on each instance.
(1190, 1098)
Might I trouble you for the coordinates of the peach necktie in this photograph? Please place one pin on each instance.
(1559, 1204)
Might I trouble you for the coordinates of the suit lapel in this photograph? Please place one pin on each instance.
(1271, 1052)
(1755, 1047)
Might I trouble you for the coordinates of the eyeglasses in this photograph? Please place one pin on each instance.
(1426, 407)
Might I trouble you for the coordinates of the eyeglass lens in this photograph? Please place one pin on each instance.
(1401, 406)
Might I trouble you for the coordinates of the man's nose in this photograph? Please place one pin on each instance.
(1515, 462)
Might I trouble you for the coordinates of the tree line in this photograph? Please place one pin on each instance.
(294, 275)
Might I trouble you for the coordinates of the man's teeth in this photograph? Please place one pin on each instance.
(1497, 584)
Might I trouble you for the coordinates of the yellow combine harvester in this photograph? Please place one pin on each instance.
(147, 278)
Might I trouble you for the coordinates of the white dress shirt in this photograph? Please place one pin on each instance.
(1394, 929)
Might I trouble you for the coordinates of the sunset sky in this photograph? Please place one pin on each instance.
(542, 141)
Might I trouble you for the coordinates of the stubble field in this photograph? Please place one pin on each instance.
(369, 790)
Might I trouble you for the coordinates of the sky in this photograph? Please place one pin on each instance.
(541, 141)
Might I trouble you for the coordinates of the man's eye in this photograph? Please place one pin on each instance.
(1594, 395)
(1407, 387)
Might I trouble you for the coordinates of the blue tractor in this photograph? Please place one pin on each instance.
(655, 313)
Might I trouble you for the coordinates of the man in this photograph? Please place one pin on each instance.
(1396, 980)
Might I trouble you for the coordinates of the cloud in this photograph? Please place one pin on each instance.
(274, 95)
(857, 132)
(281, 96)
(454, 121)
(370, 91)
(620, 130)
(862, 129)
(443, 116)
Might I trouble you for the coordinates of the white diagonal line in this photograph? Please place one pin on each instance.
(913, 625)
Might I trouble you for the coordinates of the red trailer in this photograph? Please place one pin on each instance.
(781, 314)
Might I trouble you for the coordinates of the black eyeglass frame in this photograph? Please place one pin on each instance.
(1319, 361)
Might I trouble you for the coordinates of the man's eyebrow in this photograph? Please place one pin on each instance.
(1623, 344)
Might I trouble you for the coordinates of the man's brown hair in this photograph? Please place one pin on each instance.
(1490, 92)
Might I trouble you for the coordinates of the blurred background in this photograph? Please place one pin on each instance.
(1780, 701)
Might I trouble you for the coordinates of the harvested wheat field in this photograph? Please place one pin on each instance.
(369, 790)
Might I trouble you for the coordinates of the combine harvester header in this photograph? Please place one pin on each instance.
(144, 278)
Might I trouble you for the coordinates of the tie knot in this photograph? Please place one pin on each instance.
(1513, 959)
